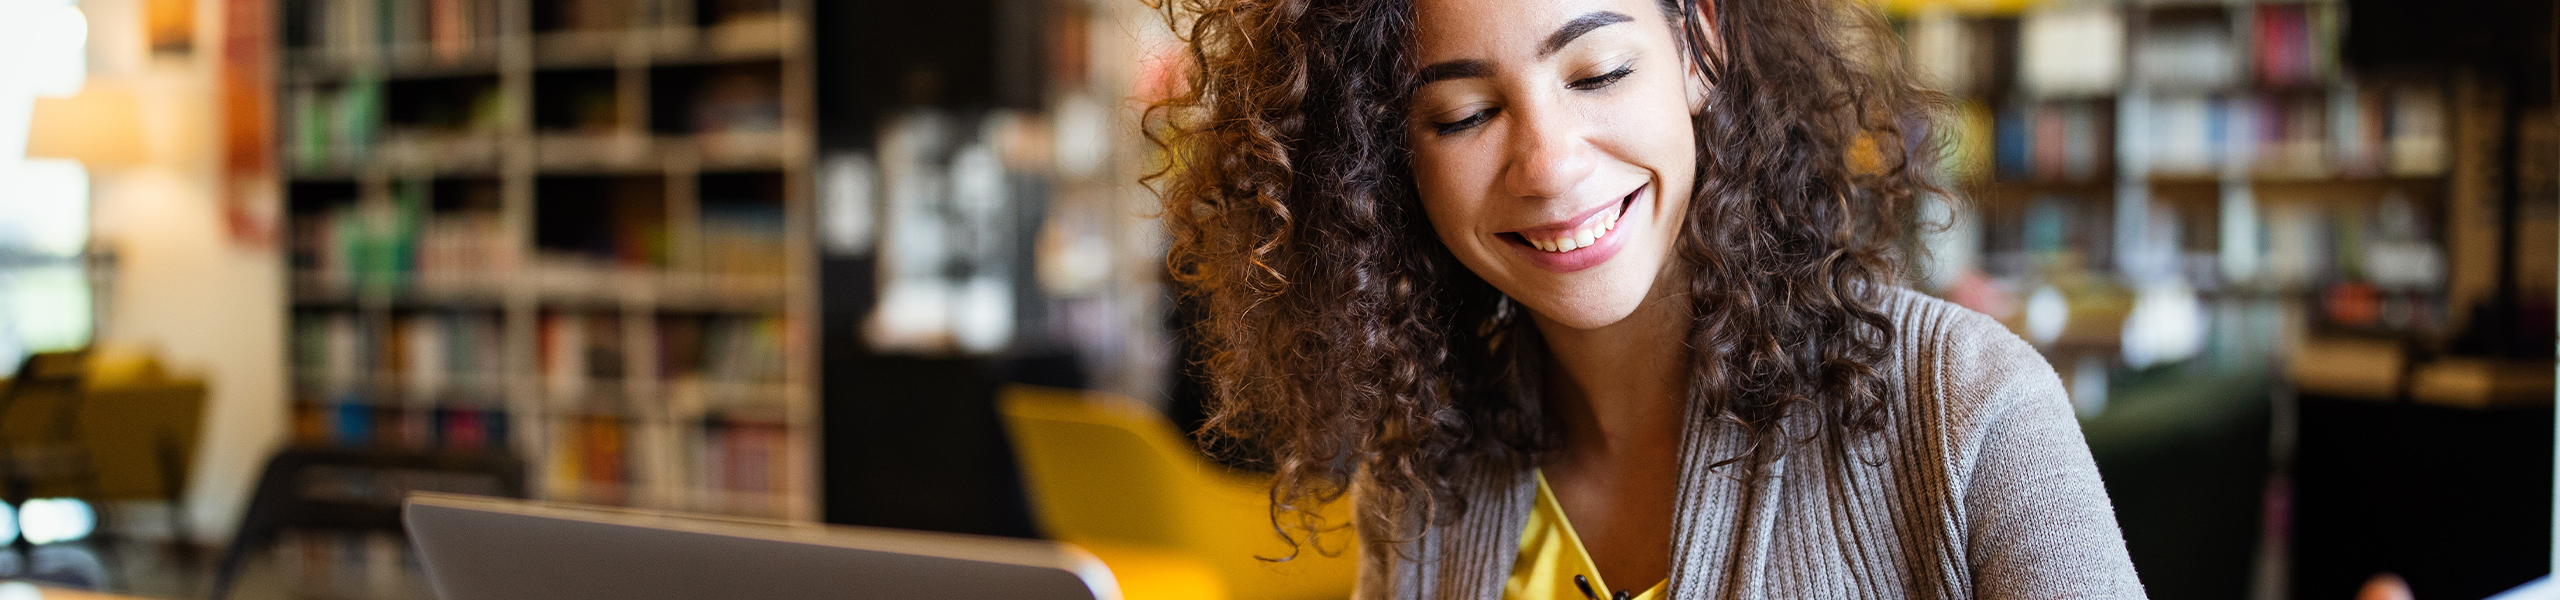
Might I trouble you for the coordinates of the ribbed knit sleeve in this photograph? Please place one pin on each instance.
(2036, 517)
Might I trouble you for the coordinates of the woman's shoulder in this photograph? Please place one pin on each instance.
(1963, 368)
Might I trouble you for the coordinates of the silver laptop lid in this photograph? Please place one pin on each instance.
(478, 548)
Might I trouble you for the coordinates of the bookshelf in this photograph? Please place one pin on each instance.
(2224, 145)
(570, 229)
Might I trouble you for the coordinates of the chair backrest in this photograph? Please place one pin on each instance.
(355, 490)
(361, 490)
(142, 435)
(1103, 469)
(42, 405)
(1095, 469)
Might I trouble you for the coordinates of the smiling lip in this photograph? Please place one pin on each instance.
(1600, 250)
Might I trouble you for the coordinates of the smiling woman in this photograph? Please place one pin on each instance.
(1571, 292)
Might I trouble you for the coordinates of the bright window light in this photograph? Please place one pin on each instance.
(49, 520)
(2048, 313)
(58, 57)
(49, 213)
(8, 524)
(43, 309)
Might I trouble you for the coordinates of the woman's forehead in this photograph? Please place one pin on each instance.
(1504, 30)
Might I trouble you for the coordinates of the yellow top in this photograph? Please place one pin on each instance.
(1551, 554)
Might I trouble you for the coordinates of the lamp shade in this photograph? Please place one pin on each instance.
(101, 127)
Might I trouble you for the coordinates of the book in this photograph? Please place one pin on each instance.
(2416, 129)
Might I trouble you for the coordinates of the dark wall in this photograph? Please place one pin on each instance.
(911, 441)
(878, 56)
(2384, 32)
(2456, 501)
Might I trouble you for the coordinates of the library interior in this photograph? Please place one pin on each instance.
(269, 266)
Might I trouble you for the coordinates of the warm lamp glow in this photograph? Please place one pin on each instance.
(101, 127)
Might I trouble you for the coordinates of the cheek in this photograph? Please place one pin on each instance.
(1452, 196)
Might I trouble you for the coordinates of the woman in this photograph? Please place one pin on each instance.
(1593, 298)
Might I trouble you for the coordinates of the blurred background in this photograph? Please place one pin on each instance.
(265, 265)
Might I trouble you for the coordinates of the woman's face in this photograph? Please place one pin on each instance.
(1553, 148)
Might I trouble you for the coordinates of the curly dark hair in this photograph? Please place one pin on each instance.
(1341, 337)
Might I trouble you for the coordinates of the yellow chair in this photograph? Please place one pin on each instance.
(1105, 471)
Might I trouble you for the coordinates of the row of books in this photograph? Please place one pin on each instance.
(354, 30)
(743, 238)
(2397, 130)
(430, 356)
(593, 459)
(2362, 305)
(620, 222)
(2294, 45)
(2384, 245)
(341, 124)
(742, 456)
(592, 452)
(333, 125)
(2060, 51)
(730, 359)
(2394, 130)
(738, 99)
(421, 356)
(349, 421)
(402, 245)
(726, 348)
(2063, 140)
(2187, 56)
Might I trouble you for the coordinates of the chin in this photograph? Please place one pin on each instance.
(1587, 320)
(1588, 309)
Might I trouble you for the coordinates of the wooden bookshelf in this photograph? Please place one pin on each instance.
(576, 230)
(2233, 121)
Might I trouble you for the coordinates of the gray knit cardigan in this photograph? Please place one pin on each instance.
(1979, 486)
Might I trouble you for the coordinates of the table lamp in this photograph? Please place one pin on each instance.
(101, 127)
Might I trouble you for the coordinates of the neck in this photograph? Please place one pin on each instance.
(1619, 389)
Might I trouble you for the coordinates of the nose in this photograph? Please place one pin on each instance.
(1548, 156)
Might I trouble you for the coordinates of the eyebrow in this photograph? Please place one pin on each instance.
(1466, 68)
(1578, 26)
(1455, 69)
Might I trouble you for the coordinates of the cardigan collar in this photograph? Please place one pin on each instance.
(1469, 559)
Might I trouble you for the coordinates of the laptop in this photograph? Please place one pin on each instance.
(476, 548)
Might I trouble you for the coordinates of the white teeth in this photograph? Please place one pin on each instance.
(1578, 239)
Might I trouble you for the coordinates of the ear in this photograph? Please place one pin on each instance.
(1702, 16)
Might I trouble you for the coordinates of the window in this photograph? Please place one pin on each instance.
(44, 220)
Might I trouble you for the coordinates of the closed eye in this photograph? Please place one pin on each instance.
(1465, 124)
(1602, 80)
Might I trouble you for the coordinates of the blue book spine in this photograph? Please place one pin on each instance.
(2013, 146)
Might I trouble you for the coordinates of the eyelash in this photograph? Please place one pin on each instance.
(1584, 84)
(1467, 123)
(1602, 80)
